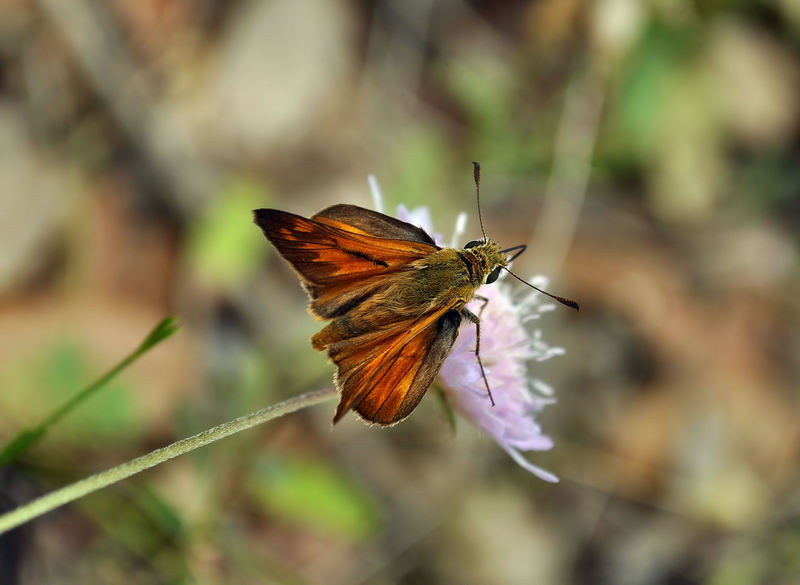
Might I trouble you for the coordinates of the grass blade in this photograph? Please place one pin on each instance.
(27, 437)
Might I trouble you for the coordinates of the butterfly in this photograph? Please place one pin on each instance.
(394, 300)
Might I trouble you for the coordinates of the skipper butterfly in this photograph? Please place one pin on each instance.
(393, 298)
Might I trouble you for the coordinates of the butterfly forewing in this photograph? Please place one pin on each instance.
(325, 255)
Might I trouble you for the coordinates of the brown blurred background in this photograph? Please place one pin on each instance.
(648, 151)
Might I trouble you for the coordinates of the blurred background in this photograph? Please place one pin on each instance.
(646, 151)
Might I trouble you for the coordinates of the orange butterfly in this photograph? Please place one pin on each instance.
(395, 300)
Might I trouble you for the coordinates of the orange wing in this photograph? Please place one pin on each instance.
(339, 263)
(383, 380)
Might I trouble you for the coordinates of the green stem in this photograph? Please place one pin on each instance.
(26, 438)
(103, 479)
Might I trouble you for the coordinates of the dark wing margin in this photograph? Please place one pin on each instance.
(374, 223)
(385, 387)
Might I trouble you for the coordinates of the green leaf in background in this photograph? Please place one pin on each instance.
(637, 118)
(484, 92)
(225, 247)
(418, 176)
(315, 495)
(63, 367)
(107, 415)
(483, 88)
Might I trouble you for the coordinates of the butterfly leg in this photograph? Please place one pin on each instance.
(469, 315)
(485, 302)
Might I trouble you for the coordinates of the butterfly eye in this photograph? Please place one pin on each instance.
(473, 243)
(493, 275)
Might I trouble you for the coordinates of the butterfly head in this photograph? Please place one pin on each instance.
(489, 257)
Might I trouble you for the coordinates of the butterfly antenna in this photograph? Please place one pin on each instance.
(476, 173)
(563, 300)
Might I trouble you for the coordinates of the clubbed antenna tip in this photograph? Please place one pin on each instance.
(476, 173)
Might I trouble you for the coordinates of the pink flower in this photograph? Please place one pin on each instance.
(507, 345)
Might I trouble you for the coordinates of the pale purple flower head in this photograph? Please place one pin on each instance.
(507, 345)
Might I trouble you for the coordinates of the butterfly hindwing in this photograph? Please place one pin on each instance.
(385, 383)
(372, 223)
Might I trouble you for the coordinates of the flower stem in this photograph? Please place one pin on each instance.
(103, 479)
